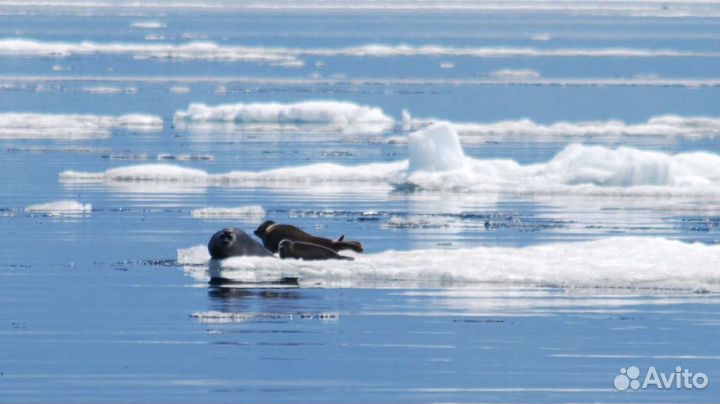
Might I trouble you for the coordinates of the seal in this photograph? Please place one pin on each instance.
(232, 242)
(272, 234)
(308, 251)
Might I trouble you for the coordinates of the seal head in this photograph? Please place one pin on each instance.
(231, 242)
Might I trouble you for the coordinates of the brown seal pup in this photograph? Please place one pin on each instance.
(234, 243)
(272, 234)
(308, 251)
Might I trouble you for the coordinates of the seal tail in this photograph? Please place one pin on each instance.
(345, 257)
(348, 245)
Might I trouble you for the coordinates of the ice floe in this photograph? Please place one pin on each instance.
(342, 116)
(208, 51)
(663, 125)
(73, 127)
(109, 90)
(148, 24)
(515, 74)
(437, 163)
(652, 8)
(241, 212)
(623, 262)
(291, 57)
(59, 208)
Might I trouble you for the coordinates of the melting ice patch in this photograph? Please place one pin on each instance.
(290, 57)
(341, 116)
(207, 51)
(664, 125)
(624, 262)
(73, 127)
(148, 24)
(376, 173)
(515, 74)
(109, 90)
(669, 8)
(241, 212)
(437, 163)
(59, 208)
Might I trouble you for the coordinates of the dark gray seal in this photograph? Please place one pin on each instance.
(232, 242)
(272, 234)
(308, 251)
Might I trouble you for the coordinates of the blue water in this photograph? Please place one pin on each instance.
(95, 308)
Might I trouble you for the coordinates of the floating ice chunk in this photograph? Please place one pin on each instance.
(541, 37)
(60, 207)
(141, 173)
(623, 262)
(664, 125)
(60, 68)
(346, 116)
(196, 255)
(627, 167)
(435, 149)
(622, 167)
(376, 173)
(109, 90)
(242, 212)
(180, 89)
(72, 127)
(515, 74)
(438, 164)
(148, 24)
(208, 51)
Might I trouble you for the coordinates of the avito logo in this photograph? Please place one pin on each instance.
(629, 378)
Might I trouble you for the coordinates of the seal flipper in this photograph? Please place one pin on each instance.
(341, 238)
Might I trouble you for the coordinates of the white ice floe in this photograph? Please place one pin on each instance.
(143, 173)
(339, 79)
(541, 37)
(435, 148)
(241, 212)
(154, 37)
(644, 8)
(342, 116)
(207, 51)
(73, 127)
(147, 24)
(375, 173)
(180, 89)
(291, 57)
(58, 208)
(664, 125)
(60, 68)
(513, 74)
(623, 262)
(437, 163)
(109, 90)
(383, 50)
(581, 169)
